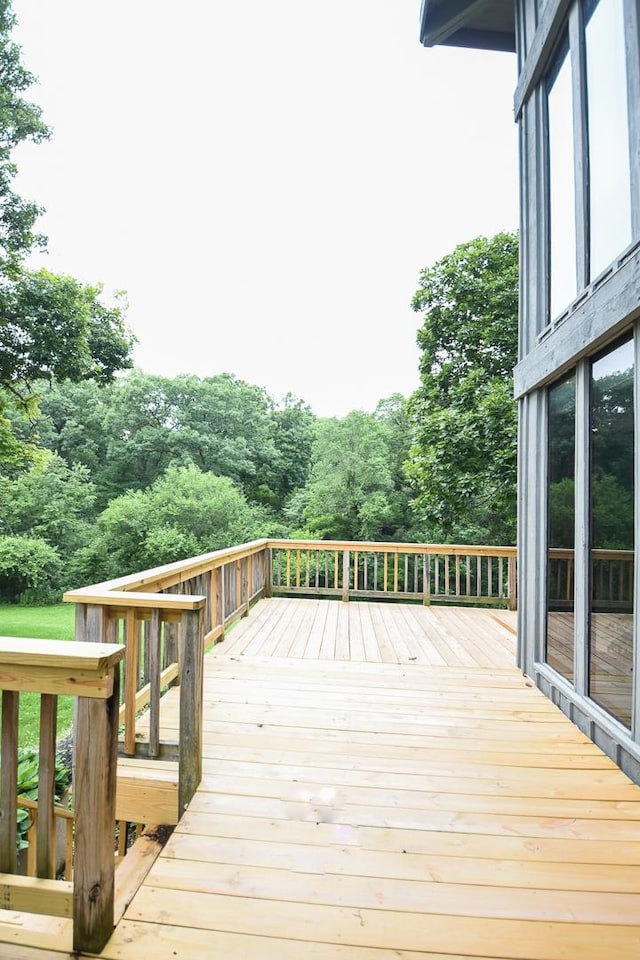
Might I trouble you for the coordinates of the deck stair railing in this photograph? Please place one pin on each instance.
(89, 672)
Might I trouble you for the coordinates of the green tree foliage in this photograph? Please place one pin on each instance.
(20, 121)
(30, 569)
(356, 490)
(294, 432)
(184, 513)
(129, 433)
(463, 462)
(50, 326)
(50, 501)
(73, 423)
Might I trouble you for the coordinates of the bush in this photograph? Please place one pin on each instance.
(28, 767)
(30, 570)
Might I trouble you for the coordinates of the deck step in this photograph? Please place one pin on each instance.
(147, 791)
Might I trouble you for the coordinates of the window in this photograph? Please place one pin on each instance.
(612, 531)
(609, 169)
(589, 149)
(562, 219)
(561, 527)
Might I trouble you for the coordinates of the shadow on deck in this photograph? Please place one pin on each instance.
(380, 781)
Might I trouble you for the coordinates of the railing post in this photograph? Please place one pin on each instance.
(268, 572)
(345, 575)
(191, 681)
(426, 580)
(512, 593)
(96, 751)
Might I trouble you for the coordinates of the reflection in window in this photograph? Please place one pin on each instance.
(561, 520)
(612, 543)
(609, 173)
(562, 216)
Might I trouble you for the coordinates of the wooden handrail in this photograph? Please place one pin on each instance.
(430, 573)
(89, 672)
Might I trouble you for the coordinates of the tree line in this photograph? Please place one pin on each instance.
(105, 469)
(124, 474)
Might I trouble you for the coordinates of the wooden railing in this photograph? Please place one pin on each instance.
(89, 672)
(165, 617)
(430, 573)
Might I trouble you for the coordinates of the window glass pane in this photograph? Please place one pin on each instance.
(561, 519)
(612, 543)
(562, 217)
(609, 173)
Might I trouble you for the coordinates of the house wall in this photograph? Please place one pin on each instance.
(579, 483)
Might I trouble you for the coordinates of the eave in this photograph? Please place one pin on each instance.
(480, 24)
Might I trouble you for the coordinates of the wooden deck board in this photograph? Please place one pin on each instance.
(380, 781)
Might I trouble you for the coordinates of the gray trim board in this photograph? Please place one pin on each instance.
(632, 34)
(581, 556)
(601, 314)
(536, 59)
(635, 722)
(596, 723)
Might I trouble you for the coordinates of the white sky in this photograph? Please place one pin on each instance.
(265, 178)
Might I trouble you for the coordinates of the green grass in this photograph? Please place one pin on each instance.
(55, 622)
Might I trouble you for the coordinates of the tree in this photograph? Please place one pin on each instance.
(184, 513)
(30, 569)
(50, 326)
(50, 501)
(293, 438)
(463, 462)
(55, 327)
(352, 493)
(19, 121)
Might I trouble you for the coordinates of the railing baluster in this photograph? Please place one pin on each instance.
(154, 681)
(9, 781)
(46, 834)
(131, 683)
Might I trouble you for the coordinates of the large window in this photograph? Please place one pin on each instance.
(561, 527)
(612, 525)
(589, 175)
(562, 221)
(609, 170)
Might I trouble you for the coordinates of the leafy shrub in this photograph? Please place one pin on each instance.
(28, 566)
(28, 767)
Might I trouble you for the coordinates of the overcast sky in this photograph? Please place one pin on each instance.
(265, 179)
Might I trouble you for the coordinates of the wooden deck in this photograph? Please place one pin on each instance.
(381, 782)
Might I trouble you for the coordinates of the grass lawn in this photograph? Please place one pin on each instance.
(55, 622)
